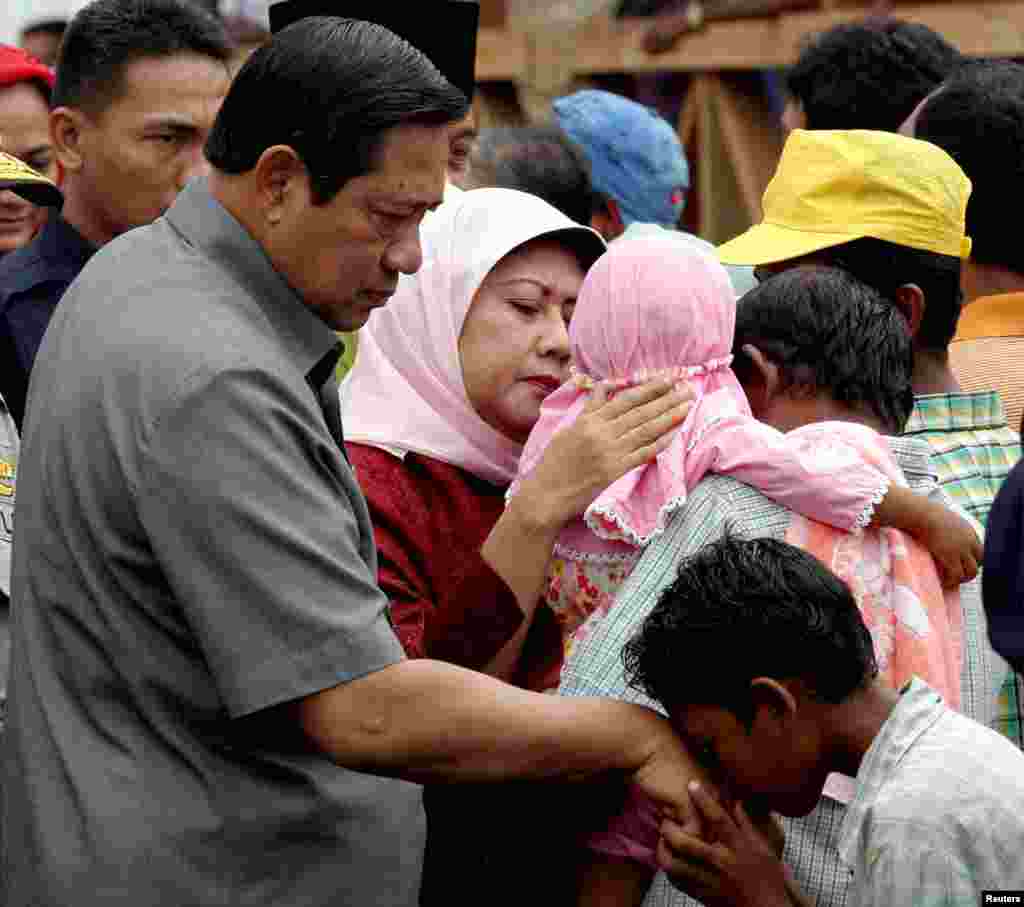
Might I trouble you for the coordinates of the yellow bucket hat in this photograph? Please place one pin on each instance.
(22, 179)
(835, 186)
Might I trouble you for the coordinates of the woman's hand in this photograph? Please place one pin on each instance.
(611, 437)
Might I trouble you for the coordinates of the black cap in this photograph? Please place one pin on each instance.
(444, 31)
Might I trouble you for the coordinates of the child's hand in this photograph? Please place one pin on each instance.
(953, 543)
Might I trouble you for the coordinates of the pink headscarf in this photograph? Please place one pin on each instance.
(650, 305)
(406, 392)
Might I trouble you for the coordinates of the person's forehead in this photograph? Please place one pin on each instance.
(409, 166)
(701, 721)
(547, 261)
(179, 85)
(23, 100)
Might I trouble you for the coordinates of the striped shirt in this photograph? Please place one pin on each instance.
(973, 451)
(720, 505)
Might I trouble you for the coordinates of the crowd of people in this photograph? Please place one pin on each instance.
(619, 569)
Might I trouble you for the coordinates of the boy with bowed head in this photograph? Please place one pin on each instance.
(759, 655)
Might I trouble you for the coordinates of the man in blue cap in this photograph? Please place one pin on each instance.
(639, 171)
(638, 166)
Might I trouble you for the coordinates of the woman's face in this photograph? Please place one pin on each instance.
(25, 133)
(514, 347)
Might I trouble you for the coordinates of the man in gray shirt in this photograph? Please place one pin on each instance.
(207, 704)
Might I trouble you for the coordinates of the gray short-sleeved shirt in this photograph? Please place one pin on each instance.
(192, 548)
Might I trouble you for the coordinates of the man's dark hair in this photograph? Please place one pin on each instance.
(108, 35)
(53, 27)
(886, 267)
(977, 117)
(541, 160)
(829, 333)
(869, 75)
(330, 89)
(746, 608)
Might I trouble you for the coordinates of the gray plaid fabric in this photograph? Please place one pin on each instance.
(718, 505)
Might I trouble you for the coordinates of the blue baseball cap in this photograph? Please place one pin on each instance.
(635, 156)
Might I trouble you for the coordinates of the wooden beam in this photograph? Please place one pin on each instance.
(978, 29)
(604, 45)
(609, 46)
(502, 55)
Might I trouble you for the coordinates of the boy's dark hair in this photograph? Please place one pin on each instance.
(329, 88)
(541, 160)
(108, 35)
(869, 75)
(977, 117)
(886, 267)
(830, 333)
(741, 609)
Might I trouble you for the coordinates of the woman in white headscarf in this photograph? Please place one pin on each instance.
(447, 385)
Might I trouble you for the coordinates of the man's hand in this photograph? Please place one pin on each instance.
(734, 866)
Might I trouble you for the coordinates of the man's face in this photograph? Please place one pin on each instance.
(344, 257)
(25, 134)
(140, 151)
(773, 765)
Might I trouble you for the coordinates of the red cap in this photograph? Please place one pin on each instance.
(17, 66)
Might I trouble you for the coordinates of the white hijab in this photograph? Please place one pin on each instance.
(406, 392)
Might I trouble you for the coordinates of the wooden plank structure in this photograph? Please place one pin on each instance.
(730, 136)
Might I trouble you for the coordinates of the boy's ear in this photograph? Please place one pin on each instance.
(774, 697)
(761, 382)
(911, 302)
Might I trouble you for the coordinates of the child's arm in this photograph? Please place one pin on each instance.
(839, 473)
(952, 540)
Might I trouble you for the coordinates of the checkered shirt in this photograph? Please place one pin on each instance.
(973, 451)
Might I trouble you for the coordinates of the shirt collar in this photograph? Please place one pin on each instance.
(914, 458)
(956, 412)
(61, 243)
(206, 224)
(917, 709)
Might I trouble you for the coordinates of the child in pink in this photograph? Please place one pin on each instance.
(652, 306)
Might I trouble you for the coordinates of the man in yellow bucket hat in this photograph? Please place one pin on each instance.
(891, 210)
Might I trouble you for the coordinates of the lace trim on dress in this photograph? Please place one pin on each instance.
(604, 557)
(862, 521)
(622, 533)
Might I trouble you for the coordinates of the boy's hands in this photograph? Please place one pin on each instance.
(736, 866)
